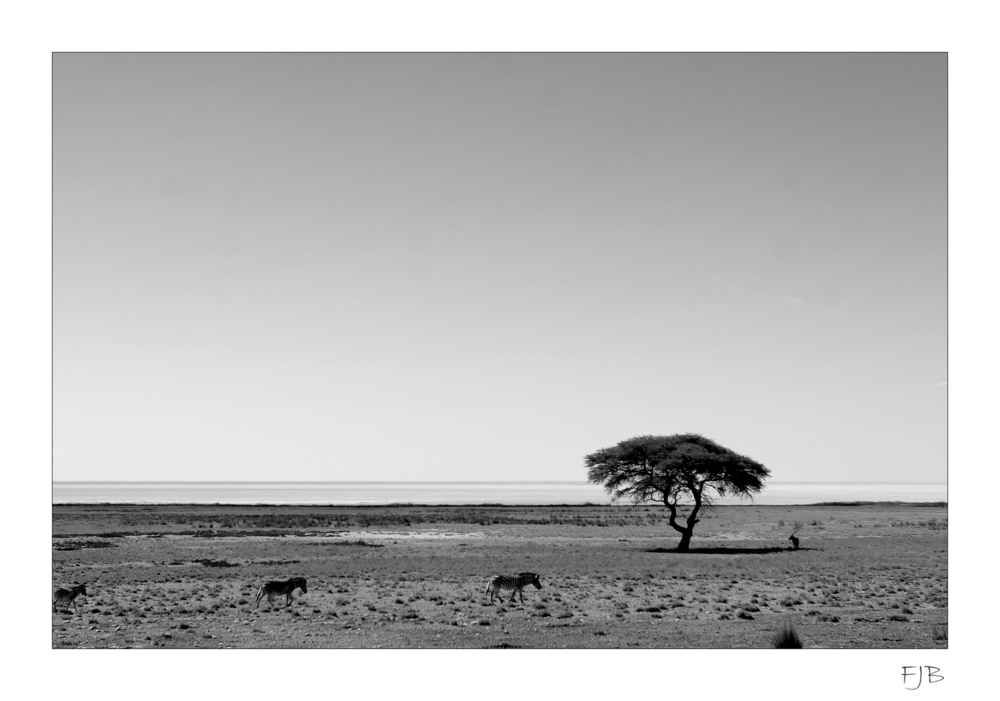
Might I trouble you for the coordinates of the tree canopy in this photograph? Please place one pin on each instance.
(675, 469)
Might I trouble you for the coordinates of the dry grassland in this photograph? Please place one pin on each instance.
(867, 576)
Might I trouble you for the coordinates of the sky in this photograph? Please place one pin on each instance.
(486, 266)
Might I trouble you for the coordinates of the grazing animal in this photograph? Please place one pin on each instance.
(515, 584)
(272, 589)
(795, 541)
(65, 597)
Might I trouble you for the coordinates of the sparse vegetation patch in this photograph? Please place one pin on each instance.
(602, 586)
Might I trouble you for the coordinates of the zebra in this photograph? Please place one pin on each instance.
(65, 597)
(272, 589)
(516, 584)
(795, 541)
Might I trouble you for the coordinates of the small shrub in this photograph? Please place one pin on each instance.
(787, 638)
(899, 618)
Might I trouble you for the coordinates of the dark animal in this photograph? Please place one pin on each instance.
(795, 541)
(515, 584)
(65, 597)
(272, 589)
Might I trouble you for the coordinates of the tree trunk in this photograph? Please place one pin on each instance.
(685, 543)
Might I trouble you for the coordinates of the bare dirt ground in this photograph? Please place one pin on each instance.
(167, 576)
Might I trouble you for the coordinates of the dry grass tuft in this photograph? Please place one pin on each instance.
(787, 638)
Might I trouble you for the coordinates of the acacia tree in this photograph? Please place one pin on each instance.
(670, 469)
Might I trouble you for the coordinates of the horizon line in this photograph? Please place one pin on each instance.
(54, 482)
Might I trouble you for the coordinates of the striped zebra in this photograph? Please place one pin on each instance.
(515, 584)
(272, 589)
(65, 597)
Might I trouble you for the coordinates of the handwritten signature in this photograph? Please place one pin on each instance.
(932, 676)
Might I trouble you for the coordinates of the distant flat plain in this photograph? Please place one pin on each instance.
(185, 576)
